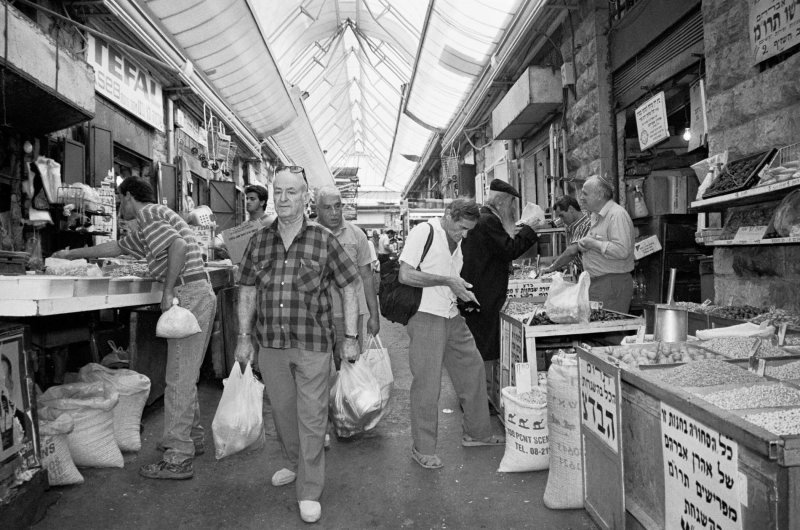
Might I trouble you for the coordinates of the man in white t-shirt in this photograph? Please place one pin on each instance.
(386, 245)
(440, 336)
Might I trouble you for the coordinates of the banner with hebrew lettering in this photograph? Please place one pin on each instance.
(774, 27)
(701, 474)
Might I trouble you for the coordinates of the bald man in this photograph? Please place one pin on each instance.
(355, 242)
(607, 249)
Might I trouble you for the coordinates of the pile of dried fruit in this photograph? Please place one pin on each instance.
(659, 353)
(781, 422)
(709, 372)
(738, 174)
(776, 317)
(754, 397)
(736, 312)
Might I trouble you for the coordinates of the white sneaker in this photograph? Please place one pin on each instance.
(327, 443)
(283, 477)
(310, 511)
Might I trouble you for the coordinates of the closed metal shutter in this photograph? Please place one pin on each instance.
(630, 77)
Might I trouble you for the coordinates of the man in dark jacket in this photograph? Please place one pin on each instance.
(488, 250)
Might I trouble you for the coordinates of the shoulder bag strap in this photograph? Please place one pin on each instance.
(427, 246)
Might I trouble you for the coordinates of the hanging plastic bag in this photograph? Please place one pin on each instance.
(568, 303)
(787, 216)
(176, 323)
(238, 423)
(377, 360)
(355, 399)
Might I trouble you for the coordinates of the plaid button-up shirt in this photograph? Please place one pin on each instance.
(293, 305)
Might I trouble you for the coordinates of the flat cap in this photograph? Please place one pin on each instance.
(505, 187)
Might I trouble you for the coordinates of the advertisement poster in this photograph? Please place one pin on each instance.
(701, 474)
(651, 121)
(774, 27)
(125, 83)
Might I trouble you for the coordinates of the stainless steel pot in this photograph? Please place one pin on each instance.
(672, 322)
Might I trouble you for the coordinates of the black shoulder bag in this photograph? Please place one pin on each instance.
(399, 302)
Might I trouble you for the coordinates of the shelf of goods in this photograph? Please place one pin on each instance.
(518, 338)
(41, 295)
(712, 442)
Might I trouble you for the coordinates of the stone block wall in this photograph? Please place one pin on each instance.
(750, 111)
(589, 120)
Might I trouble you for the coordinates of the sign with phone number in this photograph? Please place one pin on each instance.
(599, 398)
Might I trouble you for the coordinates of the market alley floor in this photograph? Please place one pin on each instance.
(371, 482)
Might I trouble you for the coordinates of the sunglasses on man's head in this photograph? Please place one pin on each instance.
(295, 169)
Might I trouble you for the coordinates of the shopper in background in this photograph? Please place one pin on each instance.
(256, 197)
(385, 243)
(576, 223)
(607, 249)
(286, 278)
(488, 251)
(354, 241)
(173, 257)
(440, 336)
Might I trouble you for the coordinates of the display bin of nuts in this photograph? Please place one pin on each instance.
(688, 417)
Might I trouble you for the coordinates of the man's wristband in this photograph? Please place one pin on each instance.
(243, 335)
(347, 336)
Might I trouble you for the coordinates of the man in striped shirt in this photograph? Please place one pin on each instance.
(173, 257)
(576, 224)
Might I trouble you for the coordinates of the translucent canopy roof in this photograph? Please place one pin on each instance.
(382, 76)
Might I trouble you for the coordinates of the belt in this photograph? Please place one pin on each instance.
(193, 277)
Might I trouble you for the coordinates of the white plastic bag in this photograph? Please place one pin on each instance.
(527, 443)
(238, 423)
(176, 323)
(376, 357)
(355, 399)
(568, 303)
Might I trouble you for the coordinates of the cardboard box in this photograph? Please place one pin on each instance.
(670, 191)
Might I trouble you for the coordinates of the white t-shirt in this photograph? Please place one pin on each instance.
(383, 244)
(438, 300)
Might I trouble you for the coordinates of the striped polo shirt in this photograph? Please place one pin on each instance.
(158, 228)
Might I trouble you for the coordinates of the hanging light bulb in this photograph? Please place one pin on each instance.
(687, 134)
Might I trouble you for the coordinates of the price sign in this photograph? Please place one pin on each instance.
(651, 121)
(701, 475)
(750, 234)
(599, 398)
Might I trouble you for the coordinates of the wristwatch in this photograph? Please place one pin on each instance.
(355, 337)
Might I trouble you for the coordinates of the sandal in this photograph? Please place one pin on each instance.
(495, 439)
(426, 461)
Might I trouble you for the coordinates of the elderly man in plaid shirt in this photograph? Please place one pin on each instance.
(286, 274)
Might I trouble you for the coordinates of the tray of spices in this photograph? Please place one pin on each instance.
(739, 174)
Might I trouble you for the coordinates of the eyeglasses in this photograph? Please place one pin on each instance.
(294, 169)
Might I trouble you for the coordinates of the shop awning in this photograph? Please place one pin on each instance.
(47, 94)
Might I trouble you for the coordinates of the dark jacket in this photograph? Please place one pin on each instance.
(488, 251)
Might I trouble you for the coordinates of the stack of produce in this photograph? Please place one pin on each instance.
(659, 353)
(523, 311)
(734, 312)
(708, 372)
(780, 422)
(776, 317)
(784, 372)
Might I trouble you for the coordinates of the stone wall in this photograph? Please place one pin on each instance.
(750, 111)
(589, 120)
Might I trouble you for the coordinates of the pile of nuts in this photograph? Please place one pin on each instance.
(776, 317)
(742, 347)
(781, 422)
(534, 397)
(754, 397)
(708, 372)
(784, 372)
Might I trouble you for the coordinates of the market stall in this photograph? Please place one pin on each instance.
(700, 434)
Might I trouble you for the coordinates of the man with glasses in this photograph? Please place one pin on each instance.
(354, 241)
(440, 336)
(607, 249)
(576, 224)
(287, 272)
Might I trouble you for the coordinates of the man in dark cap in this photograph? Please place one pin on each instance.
(488, 250)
